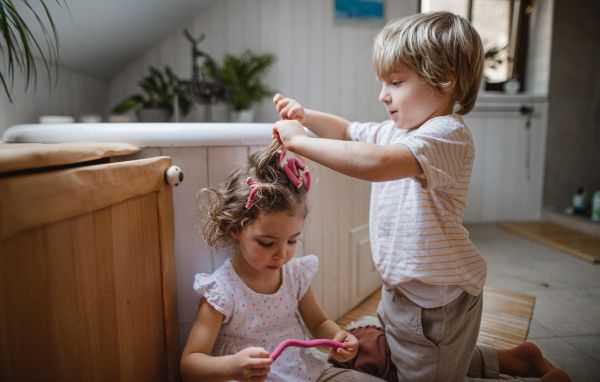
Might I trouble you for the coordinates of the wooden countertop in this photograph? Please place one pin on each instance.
(26, 156)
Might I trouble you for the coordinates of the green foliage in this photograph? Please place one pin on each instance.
(19, 45)
(158, 91)
(241, 75)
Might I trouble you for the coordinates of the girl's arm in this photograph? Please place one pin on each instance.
(198, 365)
(320, 326)
(367, 161)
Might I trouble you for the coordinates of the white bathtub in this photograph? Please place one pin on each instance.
(144, 134)
(336, 231)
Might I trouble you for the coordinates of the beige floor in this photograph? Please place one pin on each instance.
(566, 316)
(565, 323)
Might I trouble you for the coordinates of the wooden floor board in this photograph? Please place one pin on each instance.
(577, 243)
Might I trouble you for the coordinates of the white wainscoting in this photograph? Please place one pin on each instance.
(508, 174)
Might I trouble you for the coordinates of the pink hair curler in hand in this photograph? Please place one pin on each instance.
(303, 344)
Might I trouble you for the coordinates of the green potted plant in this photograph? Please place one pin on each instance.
(241, 75)
(156, 103)
(20, 46)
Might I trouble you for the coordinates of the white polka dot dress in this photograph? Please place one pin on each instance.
(258, 320)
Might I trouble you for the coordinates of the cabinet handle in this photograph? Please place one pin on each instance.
(174, 176)
(527, 111)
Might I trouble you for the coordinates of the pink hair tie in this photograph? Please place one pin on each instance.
(298, 173)
(303, 344)
(250, 182)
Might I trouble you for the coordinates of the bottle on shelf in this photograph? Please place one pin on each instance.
(596, 206)
(579, 202)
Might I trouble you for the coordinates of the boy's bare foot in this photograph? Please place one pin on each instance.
(556, 375)
(526, 360)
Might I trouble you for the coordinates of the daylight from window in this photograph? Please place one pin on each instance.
(491, 18)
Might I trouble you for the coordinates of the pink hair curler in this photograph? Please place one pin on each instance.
(297, 172)
(303, 344)
(250, 182)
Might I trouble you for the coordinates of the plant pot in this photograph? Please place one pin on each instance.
(153, 115)
(242, 116)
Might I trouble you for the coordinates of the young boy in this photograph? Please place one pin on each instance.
(420, 161)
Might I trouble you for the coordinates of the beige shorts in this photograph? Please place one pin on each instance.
(437, 344)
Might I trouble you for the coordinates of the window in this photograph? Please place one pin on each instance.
(503, 26)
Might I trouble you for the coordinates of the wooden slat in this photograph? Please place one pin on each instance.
(577, 243)
(504, 321)
(82, 299)
(25, 156)
(166, 221)
(37, 199)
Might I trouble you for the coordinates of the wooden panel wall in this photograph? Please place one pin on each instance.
(70, 93)
(508, 174)
(323, 65)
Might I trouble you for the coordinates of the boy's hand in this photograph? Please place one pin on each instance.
(350, 347)
(289, 108)
(250, 364)
(286, 131)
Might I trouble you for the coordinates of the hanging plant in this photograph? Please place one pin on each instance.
(19, 47)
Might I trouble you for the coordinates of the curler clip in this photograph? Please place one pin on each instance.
(298, 173)
(250, 182)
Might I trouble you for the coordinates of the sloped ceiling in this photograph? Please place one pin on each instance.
(101, 37)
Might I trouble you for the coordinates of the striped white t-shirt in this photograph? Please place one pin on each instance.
(416, 223)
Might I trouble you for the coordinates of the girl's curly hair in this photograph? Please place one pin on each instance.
(225, 207)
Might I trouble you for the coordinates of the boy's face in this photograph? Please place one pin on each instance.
(410, 102)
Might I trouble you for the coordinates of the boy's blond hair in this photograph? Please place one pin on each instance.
(436, 46)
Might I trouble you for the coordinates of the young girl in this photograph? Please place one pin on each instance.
(248, 306)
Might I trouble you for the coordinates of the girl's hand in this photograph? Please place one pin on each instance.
(289, 108)
(350, 347)
(286, 131)
(251, 364)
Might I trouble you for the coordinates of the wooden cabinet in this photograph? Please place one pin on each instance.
(87, 273)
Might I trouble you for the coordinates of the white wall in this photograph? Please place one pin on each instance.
(539, 49)
(323, 65)
(71, 93)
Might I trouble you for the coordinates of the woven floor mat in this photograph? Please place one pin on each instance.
(505, 318)
(577, 243)
(504, 322)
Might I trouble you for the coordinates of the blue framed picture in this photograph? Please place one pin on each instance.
(368, 12)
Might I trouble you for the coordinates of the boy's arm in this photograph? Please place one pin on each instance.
(327, 125)
(322, 124)
(360, 160)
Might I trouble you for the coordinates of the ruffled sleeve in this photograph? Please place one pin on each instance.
(209, 287)
(303, 272)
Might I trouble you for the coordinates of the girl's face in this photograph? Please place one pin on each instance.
(268, 243)
(410, 102)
